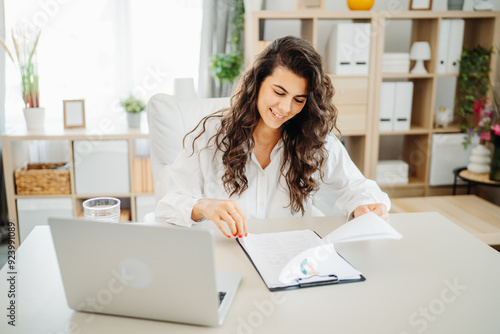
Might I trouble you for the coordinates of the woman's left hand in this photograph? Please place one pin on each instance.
(377, 208)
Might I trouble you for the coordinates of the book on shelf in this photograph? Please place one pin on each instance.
(299, 259)
(142, 175)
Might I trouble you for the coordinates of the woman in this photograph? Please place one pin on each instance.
(270, 152)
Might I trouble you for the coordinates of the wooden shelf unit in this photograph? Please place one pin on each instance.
(481, 28)
(15, 154)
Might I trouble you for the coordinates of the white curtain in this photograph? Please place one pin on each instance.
(213, 40)
(3, 199)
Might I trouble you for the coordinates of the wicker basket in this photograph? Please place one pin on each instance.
(43, 179)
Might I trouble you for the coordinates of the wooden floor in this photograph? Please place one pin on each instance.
(474, 214)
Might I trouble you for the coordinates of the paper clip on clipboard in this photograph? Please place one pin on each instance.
(315, 280)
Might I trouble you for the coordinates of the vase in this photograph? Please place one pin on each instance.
(134, 120)
(455, 4)
(479, 160)
(35, 118)
(360, 4)
(495, 160)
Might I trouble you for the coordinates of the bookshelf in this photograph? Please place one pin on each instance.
(136, 172)
(358, 118)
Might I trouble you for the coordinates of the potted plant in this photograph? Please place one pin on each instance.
(25, 47)
(495, 136)
(133, 107)
(473, 87)
(479, 116)
(225, 68)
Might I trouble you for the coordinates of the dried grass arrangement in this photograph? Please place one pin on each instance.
(25, 43)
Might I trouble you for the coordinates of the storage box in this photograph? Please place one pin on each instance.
(101, 167)
(392, 172)
(43, 179)
(447, 153)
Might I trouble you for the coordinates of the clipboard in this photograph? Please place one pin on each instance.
(304, 282)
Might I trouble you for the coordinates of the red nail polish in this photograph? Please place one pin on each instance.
(235, 234)
(228, 236)
(246, 234)
(240, 236)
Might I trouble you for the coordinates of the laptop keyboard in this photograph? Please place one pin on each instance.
(222, 294)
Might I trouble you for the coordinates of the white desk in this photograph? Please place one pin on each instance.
(407, 288)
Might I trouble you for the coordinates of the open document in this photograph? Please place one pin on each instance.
(297, 259)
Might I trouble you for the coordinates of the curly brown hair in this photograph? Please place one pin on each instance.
(303, 136)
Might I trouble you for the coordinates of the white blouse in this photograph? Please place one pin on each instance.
(198, 175)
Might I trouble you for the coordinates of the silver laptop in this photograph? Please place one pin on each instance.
(144, 271)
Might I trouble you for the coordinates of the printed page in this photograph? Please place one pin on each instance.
(270, 252)
(366, 227)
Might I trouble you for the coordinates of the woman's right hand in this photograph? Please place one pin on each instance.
(220, 211)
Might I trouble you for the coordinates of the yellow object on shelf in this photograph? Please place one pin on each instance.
(360, 4)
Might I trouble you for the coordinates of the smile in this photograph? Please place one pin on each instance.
(276, 115)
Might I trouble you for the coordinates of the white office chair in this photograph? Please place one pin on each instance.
(170, 118)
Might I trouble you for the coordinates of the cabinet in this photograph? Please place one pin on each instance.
(107, 162)
(358, 96)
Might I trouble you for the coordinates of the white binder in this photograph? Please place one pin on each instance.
(444, 35)
(340, 49)
(386, 114)
(402, 105)
(361, 51)
(455, 45)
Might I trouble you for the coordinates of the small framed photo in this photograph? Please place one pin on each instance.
(420, 4)
(310, 4)
(74, 114)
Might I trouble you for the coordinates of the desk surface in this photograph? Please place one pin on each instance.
(437, 279)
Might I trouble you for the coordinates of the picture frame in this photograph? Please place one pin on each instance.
(310, 4)
(74, 114)
(420, 4)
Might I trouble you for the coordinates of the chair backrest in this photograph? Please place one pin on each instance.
(170, 118)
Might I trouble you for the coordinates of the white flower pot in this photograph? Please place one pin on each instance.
(252, 5)
(134, 120)
(35, 118)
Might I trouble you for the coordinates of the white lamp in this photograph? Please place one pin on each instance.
(419, 52)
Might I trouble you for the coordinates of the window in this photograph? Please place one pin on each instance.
(101, 50)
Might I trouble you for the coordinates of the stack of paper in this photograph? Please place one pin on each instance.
(396, 63)
(392, 172)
